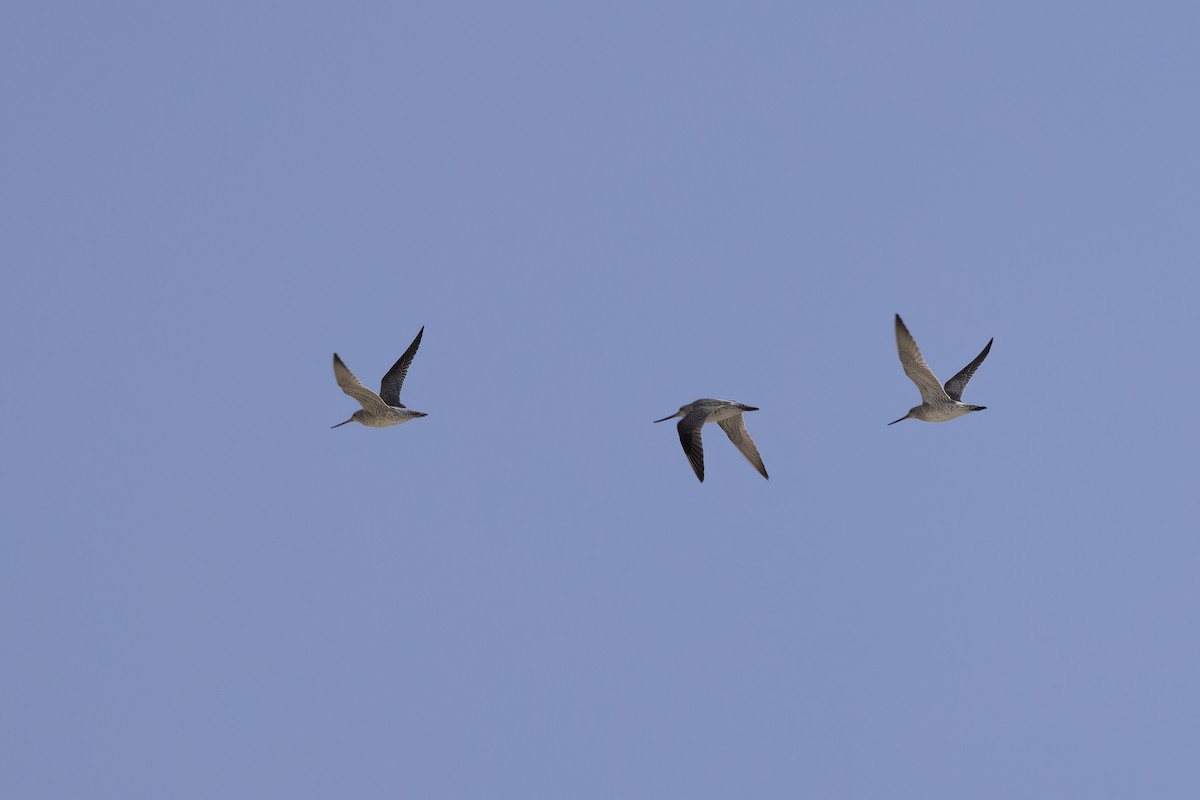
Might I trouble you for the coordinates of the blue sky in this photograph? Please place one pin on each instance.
(599, 213)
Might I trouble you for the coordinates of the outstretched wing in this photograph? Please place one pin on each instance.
(735, 429)
(689, 436)
(916, 369)
(389, 390)
(352, 386)
(955, 386)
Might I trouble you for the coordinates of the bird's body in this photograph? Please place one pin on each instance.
(938, 403)
(381, 410)
(725, 413)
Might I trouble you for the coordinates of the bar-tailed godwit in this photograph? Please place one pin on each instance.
(725, 413)
(938, 403)
(384, 409)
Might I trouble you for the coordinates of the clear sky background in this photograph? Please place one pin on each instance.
(599, 213)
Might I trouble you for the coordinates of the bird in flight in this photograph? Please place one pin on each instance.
(384, 409)
(938, 403)
(725, 413)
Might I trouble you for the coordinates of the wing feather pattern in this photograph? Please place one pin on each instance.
(735, 429)
(956, 385)
(916, 369)
(389, 389)
(352, 386)
(689, 436)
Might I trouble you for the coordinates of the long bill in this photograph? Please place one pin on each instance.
(340, 424)
(664, 419)
(893, 422)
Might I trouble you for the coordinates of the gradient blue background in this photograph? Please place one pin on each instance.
(600, 213)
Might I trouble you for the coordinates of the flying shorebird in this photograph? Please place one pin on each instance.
(384, 409)
(725, 413)
(938, 403)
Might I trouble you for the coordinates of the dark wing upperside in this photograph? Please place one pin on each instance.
(955, 386)
(689, 436)
(389, 389)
